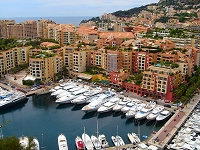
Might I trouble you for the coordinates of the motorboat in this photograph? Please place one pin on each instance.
(136, 108)
(127, 107)
(119, 138)
(58, 92)
(63, 94)
(76, 88)
(68, 98)
(122, 103)
(35, 144)
(131, 138)
(93, 98)
(96, 104)
(163, 115)
(68, 87)
(96, 142)
(103, 141)
(136, 138)
(55, 88)
(79, 143)
(24, 141)
(108, 106)
(145, 111)
(155, 112)
(17, 97)
(62, 142)
(115, 141)
(87, 96)
(87, 141)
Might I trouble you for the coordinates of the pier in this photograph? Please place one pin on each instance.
(167, 132)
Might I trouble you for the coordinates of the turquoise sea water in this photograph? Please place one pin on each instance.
(59, 20)
(41, 115)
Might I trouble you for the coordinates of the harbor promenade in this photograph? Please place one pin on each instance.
(167, 132)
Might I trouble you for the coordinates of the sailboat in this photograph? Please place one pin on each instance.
(102, 139)
(95, 140)
(87, 141)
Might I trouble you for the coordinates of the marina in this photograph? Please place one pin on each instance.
(129, 130)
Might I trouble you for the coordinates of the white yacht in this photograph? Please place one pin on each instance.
(163, 115)
(145, 111)
(55, 88)
(68, 98)
(122, 103)
(96, 142)
(35, 143)
(103, 141)
(63, 94)
(131, 138)
(155, 112)
(108, 106)
(62, 142)
(121, 142)
(137, 139)
(86, 96)
(87, 141)
(96, 104)
(24, 141)
(136, 108)
(115, 141)
(91, 99)
(68, 87)
(76, 88)
(127, 107)
(58, 92)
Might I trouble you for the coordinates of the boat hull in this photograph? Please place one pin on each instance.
(14, 102)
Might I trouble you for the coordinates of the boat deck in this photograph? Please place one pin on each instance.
(167, 132)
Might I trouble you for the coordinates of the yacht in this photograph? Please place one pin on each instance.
(87, 96)
(155, 112)
(24, 141)
(68, 87)
(68, 98)
(131, 138)
(62, 142)
(91, 99)
(131, 113)
(163, 115)
(115, 141)
(87, 141)
(122, 103)
(127, 107)
(145, 111)
(137, 139)
(103, 141)
(58, 92)
(121, 142)
(79, 143)
(55, 88)
(108, 106)
(96, 104)
(63, 94)
(17, 97)
(76, 88)
(96, 142)
(35, 143)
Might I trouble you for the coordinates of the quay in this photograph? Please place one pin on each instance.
(162, 138)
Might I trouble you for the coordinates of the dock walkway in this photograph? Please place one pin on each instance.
(167, 132)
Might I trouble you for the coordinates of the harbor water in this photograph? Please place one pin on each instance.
(41, 117)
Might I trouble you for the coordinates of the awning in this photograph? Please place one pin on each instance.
(29, 78)
(84, 76)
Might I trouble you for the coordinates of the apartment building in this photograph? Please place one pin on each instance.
(21, 55)
(96, 57)
(118, 77)
(127, 60)
(108, 42)
(68, 57)
(68, 35)
(29, 29)
(41, 26)
(79, 61)
(44, 66)
(161, 81)
(182, 42)
(2, 66)
(114, 61)
(169, 57)
(8, 57)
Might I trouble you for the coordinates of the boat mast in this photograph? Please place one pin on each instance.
(42, 143)
(139, 129)
(97, 129)
(117, 140)
(1, 135)
(84, 137)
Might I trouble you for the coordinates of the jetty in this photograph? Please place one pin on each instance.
(162, 138)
